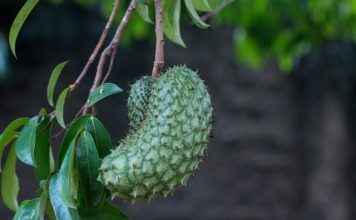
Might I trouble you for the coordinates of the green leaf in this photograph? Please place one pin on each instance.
(26, 142)
(61, 211)
(101, 136)
(194, 15)
(42, 149)
(88, 163)
(50, 212)
(66, 175)
(214, 4)
(143, 11)
(10, 133)
(202, 5)
(77, 126)
(51, 160)
(44, 199)
(171, 19)
(60, 107)
(19, 21)
(103, 91)
(29, 209)
(53, 81)
(108, 212)
(42, 112)
(9, 181)
(285, 62)
(93, 210)
(144, 2)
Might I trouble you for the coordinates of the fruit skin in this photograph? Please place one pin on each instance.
(137, 101)
(162, 151)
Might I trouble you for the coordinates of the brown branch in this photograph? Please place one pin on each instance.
(98, 46)
(159, 54)
(91, 59)
(216, 10)
(110, 50)
(110, 65)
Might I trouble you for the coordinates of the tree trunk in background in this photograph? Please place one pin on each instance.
(326, 79)
(328, 192)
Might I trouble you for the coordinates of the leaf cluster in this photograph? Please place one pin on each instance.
(287, 30)
(68, 189)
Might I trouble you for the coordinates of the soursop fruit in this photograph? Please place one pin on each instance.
(137, 101)
(171, 119)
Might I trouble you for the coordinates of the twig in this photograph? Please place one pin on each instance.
(216, 10)
(91, 60)
(110, 66)
(98, 46)
(110, 50)
(61, 131)
(159, 54)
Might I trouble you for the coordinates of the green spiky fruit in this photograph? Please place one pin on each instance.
(137, 101)
(171, 118)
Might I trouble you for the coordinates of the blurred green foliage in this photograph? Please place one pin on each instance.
(287, 29)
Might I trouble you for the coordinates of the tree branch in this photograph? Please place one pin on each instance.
(110, 50)
(110, 65)
(98, 46)
(159, 54)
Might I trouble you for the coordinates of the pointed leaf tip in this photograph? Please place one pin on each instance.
(18, 23)
(60, 107)
(9, 181)
(143, 12)
(194, 15)
(9, 134)
(171, 21)
(53, 81)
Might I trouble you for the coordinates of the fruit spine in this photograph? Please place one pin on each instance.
(171, 123)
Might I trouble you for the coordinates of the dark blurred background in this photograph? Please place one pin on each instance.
(282, 75)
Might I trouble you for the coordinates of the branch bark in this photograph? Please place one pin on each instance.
(98, 46)
(159, 54)
(110, 50)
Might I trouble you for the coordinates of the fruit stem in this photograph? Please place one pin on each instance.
(159, 54)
